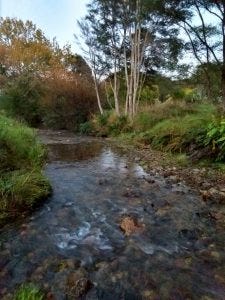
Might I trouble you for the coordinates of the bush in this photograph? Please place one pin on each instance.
(21, 99)
(68, 102)
(86, 128)
(110, 124)
(178, 93)
(61, 101)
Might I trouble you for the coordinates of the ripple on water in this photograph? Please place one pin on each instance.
(84, 235)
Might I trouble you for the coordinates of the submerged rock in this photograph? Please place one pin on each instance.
(129, 225)
(78, 284)
(213, 194)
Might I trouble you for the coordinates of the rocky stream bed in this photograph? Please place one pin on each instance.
(112, 231)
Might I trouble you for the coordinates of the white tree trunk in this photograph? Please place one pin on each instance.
(97, 94)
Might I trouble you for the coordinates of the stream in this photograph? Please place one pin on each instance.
(73, 247)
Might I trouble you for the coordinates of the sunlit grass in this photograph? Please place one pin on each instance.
(28, 292)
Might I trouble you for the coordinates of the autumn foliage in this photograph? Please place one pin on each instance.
(41, 83)
(68, 101)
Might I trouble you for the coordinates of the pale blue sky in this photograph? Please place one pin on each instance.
(57, 18)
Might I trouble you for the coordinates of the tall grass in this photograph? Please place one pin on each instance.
(174, 127)
(22, 183)
(152, 115)
(19, 146)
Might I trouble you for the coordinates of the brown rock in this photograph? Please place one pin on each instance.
(130, 225)
(162, 211)
(78, 284)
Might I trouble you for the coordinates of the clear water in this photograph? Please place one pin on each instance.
(178, 255)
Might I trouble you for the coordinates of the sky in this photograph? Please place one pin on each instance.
(57, 18)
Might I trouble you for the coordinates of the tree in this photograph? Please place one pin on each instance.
(127, 37)
(203, 22)
(26, 48)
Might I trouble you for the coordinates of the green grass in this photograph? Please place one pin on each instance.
(22, 184)
(19, 146)
(172, 126)
(28, 292)
(151, 116)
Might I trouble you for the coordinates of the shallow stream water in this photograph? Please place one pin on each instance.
(179, 254)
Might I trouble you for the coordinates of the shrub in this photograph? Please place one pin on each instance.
(178, 93)
(21, 99)
(193, 95)
(68, 102)
(86, 128)
(110, 124)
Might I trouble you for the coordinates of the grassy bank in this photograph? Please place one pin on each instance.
(173, 126)
(22, 184)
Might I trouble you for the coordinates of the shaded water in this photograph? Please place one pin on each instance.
(178, 255)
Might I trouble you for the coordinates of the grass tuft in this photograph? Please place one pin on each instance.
(28, 292)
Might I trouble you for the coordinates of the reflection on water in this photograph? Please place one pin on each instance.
(77, 152)
(178, 255)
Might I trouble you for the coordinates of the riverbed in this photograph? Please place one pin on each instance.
(73, 246)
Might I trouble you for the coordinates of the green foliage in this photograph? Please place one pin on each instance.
(178, 93)
(28, 292)
(215, 137)
(211, 85)
(120, 125)
(193, 95)
(86, 128)
(23, 188)
(146, 119)
(170, 126)
(109, 124)
(19, 146)
(22, 183)
(21, 99)
(149, 94)
(180, 128)
(176, 133)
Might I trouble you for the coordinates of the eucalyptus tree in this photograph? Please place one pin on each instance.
(128, 37)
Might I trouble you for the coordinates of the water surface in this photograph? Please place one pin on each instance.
(178, 255)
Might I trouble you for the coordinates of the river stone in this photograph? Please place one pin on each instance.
(77, 284)
(129, 225)
(149, 294)
(162, 211)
